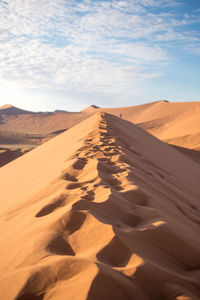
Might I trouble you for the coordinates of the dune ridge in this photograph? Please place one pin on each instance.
(9, 109)
(113, 216)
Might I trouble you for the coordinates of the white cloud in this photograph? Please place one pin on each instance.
(90, 46)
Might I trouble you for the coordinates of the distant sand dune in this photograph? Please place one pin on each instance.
(102, 211)
(174, 123)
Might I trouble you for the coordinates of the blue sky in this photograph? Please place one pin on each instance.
(68, 54)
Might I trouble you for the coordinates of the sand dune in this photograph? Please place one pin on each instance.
(92, 109)
(40, 123)
(21, 130)
(102, 211)
(9, 109)
(174, 123)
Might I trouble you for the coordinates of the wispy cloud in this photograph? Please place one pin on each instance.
(94, 46)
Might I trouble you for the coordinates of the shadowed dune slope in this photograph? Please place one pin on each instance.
(7, 155)
(102, 211)
(9, 109)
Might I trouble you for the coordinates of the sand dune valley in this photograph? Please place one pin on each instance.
(102, 207)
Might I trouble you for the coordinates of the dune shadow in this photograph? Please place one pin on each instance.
(69, 177)
(191, 153)
(60, 246)
(114, 210)
(59, 131)
(110, 284)
(31, 296)
(51, 207)
(73, 222)
(73, 186)
(1, 120)
(81, 205)
(80, 164)
(9, 155)
(89, 196)
(115, 253)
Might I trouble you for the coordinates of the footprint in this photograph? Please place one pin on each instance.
(81, 205)
(112, 181)
(104, 168)
(96, 148)
(71, 222)
(57, 203)
(45, 277)
(108, 166)
(73, 186)
(103, 159)
(107, 149)
(84, 188)
(69, 177)
(115, 152)
(115, 253)
(102, 127)
(112, 144)
(89, 196)
(80, 164)
(60, 247)
(67, 225)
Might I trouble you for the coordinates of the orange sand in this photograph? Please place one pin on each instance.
(102, 211)
(174, 123)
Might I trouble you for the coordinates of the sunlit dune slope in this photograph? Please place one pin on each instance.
(102, 211)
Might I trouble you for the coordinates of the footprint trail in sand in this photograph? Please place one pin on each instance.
(123, 223)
